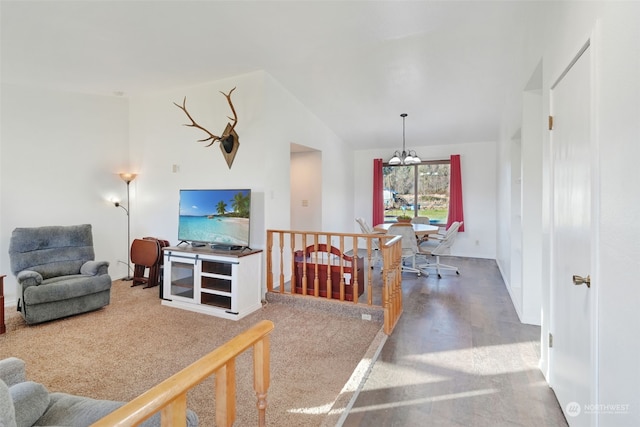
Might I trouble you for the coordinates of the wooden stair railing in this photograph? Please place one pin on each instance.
(286, 247)
(170, 396)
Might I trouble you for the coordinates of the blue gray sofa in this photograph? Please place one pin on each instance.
(26, 403)
(56, 272)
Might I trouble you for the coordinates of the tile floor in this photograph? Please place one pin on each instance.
(459, 356)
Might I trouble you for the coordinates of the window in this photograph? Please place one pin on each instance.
(417, 190)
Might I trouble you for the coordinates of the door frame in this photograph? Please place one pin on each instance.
(589, 42)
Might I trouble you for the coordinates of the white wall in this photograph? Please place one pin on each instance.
(306, 191)
(531, 208)
(478, 163)
(288, 120)
(618, 134)
(503, 205)
(519, 240)
(555, 38)
(60, 154)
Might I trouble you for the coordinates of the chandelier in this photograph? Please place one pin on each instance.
(405, 157)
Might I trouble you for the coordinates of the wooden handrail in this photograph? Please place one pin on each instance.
(170, 396)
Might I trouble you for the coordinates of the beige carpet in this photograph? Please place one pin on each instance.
(134, 343)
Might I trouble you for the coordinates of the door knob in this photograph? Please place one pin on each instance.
(579, 280)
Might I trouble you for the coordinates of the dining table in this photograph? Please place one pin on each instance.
(420, 229)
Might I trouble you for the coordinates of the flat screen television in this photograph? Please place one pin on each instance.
(219, 217)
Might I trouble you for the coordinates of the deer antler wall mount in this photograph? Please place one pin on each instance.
(229, 142)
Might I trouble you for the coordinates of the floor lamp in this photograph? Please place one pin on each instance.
(127, 178)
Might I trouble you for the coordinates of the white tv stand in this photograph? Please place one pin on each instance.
(221, 283)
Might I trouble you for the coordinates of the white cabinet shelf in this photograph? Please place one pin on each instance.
(221, 283)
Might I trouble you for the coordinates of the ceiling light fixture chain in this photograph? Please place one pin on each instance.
(405, 157)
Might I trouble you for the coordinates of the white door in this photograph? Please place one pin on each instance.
(572, 357)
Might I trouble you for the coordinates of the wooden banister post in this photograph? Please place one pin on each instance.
(175, 414)
(261, 378)
(226, 394)
(281, 243)
(269, 261)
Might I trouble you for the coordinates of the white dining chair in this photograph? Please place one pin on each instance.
(410, 249)
(441, 245)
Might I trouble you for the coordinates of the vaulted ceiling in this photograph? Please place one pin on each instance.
(357, 65)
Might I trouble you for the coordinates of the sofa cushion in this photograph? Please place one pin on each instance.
(7, 411)
(51, 250)
(30, 400)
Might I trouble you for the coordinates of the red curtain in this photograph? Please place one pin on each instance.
(378, 202)
(455, 193)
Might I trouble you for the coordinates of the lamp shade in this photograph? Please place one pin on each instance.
(128, 177)
(395, 160)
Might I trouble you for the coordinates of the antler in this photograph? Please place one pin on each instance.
(193, 124)
(233, 110)
(227, 139)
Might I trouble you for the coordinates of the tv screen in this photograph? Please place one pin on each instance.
(218, 217)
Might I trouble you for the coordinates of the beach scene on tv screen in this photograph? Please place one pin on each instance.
(215, 216)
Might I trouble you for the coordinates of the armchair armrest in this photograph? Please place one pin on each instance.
(28, 278)
(12, 371)
(95, 268)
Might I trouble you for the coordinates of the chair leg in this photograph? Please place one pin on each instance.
(413, 268)
(438, 266)
(423, 267)
(448, 267)
(418, 271)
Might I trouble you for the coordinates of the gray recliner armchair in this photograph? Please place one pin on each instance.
(56, 272)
